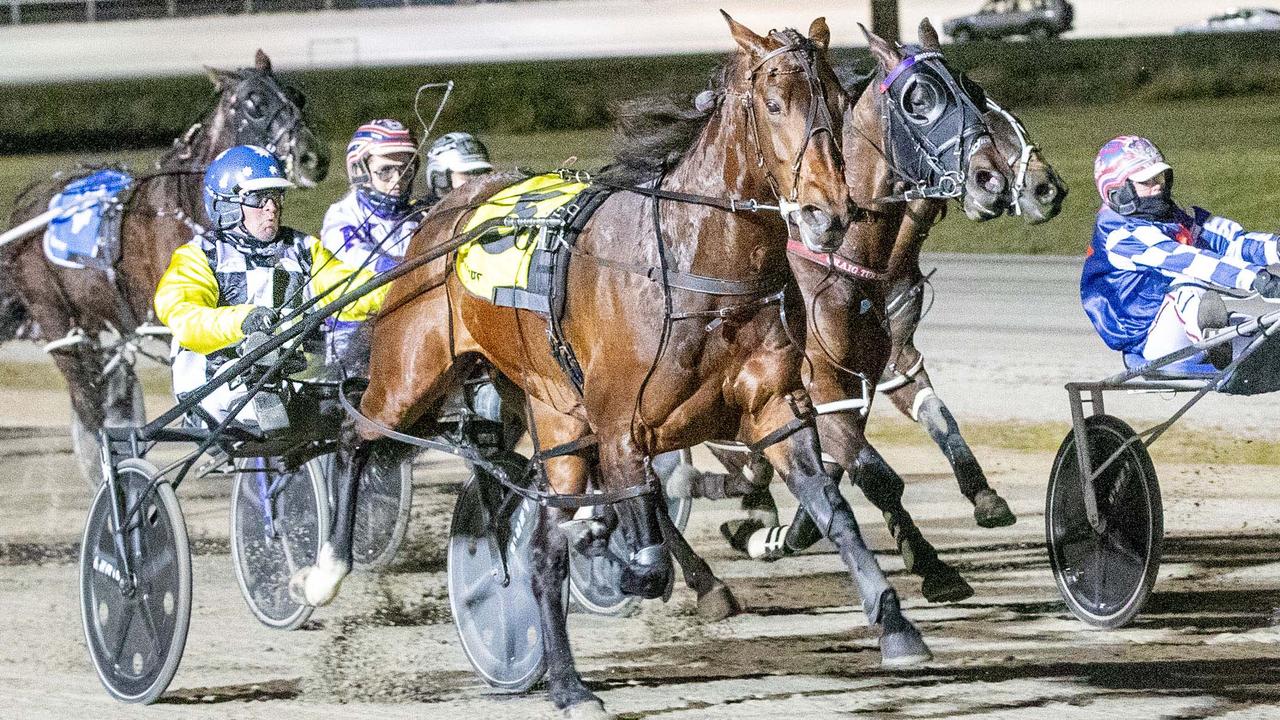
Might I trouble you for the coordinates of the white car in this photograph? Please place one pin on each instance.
(1236, 20)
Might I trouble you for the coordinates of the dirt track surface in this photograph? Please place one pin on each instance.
(1205, 646)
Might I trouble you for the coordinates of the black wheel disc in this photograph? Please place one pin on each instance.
(594, 581)
(498, 622)
(278, 522)
(136, 633)
(1105, 577)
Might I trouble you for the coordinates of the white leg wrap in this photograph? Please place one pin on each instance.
(318, 585)
(767, 543)
(921, 396)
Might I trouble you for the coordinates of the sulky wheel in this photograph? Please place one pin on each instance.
(279, 520)
(136, 626)
(1105, 576)
(498, 621)
(593, 581)
(382, 506)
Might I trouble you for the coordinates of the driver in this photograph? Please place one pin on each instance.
(1150, 262)
(453, 160)
(370, 227)
(235, 279)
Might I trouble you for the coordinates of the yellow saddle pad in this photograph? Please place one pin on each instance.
(498, 259)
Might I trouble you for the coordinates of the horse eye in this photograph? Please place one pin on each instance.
(773, 107)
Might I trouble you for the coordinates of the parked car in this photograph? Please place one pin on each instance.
(1236, 20)
(1038, 19)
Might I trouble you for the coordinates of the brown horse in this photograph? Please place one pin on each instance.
(653, 381)
(839, 374)
(48, 302)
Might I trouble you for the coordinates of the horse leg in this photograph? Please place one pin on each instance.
(317, 585)
(819, 495)
(715, 600)
(550, 572)
(918, 401)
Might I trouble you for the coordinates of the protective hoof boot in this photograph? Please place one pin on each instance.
(941, 583)
(589, 710)
(718, 603)
(317, 585)
(900, 643)
(768, 543)
(648, 574)
(991, 511)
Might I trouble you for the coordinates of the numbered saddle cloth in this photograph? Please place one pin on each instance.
(512, 267)
(86, 230)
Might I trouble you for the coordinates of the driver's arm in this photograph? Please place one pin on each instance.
(1227, 237)
(332, 277)
(1147, 246)
(187, 303)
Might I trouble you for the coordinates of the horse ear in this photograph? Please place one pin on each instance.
(262, 62)
(929, 37)
(819, 33)
(217, 77)
(746, 39)
(883, 52)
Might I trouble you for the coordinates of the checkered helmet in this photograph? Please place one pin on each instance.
(1126, 159)
(377, 137)
(455, 152)
(237, 170)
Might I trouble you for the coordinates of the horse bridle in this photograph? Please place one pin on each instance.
(818, 120)
(252, 124)
(930, 146)
(1020, 164)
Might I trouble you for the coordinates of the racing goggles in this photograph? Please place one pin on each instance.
(259, 198)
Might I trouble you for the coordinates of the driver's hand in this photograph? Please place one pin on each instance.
(259, 319)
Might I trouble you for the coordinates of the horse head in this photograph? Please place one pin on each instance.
(935, 141)
(782, 86)
(259, 109)
(1037, 191)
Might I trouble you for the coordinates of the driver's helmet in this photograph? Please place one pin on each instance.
(455, 152)
(238, 176)
(1122, 162)
(377, 137)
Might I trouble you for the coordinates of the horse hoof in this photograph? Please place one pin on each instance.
(317, 585)
(991, 511)
(589, 710)
(945, 585)
(298, 585)
(903, 648)
(718, 603)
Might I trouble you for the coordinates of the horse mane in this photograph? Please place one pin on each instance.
(854, 81)
(652, 134)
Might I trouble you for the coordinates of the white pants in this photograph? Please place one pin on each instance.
(1177, 324)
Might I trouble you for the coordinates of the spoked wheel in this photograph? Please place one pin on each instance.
(279, 520)
(1105, 576)
(382, 507)
(594, 581)
(498, 621)
(136, 627)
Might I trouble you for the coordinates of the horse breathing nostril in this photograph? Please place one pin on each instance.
(991, 182)
(1046, 192)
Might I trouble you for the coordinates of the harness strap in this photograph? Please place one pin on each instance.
(836, 261)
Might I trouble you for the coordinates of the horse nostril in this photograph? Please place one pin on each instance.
(1046, 192)
(989, 181)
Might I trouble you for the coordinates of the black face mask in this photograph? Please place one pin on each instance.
(1160, 208)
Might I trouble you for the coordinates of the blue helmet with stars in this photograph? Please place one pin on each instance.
(236, 171)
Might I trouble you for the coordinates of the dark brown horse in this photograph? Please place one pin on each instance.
(652, 381)
(842, 364)
(48, 302)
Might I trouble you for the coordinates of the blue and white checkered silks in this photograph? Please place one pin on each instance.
(1132, 263)
(73, 236)
(237, 170)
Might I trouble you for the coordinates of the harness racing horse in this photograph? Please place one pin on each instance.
(844, 294)
(674, 319)
(72, 307)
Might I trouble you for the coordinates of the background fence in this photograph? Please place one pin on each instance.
(28, 12)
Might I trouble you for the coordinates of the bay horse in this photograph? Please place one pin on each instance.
(1037, 194)
(47, 302)
(656, 375)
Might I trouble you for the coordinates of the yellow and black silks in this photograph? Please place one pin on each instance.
(496, 264)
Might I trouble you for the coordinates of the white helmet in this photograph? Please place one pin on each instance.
(455, 152)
